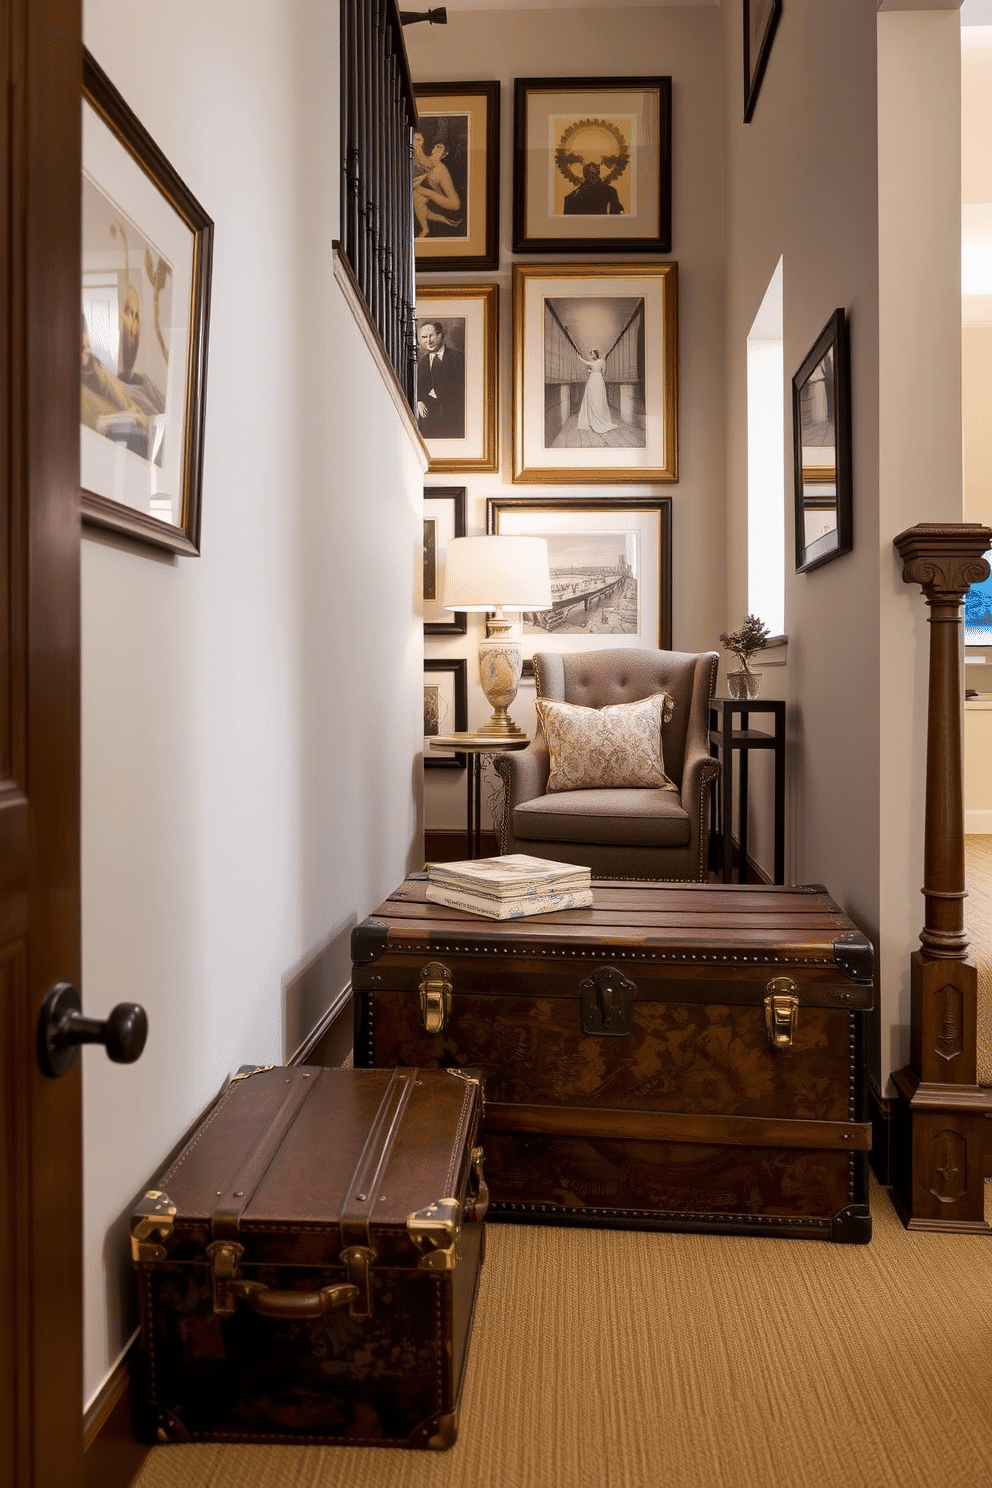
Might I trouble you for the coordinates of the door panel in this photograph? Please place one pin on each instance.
(40, 1149)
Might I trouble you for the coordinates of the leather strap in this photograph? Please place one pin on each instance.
(234, 1200)
(362, 1192)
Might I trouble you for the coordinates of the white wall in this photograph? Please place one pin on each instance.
(251, 717)
(681, 42)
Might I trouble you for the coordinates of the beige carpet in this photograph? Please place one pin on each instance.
(631, 1360)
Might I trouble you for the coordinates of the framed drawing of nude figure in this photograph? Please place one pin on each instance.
(146, 255)
(592, 165)
(595, 373)
(456, 177)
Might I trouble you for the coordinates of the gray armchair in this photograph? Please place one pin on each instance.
(619, 833)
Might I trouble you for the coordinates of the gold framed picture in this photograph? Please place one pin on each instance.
(457, 375)
(595, 373)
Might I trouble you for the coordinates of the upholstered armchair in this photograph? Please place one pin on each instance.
(618, 831)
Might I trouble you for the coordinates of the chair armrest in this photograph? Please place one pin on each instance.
(700, 768)
(524, 774)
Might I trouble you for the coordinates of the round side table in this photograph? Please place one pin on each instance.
(478, 746)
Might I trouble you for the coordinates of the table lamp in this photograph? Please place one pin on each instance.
(498, 573)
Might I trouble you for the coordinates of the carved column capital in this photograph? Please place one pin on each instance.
(944, 558)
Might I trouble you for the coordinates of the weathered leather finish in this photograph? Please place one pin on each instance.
(289, 1174)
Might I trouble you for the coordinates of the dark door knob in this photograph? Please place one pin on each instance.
(62, 1028)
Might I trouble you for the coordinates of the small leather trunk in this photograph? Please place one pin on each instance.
(677, 1056)
(308, 1265)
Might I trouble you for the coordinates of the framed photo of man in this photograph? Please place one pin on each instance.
(457, 375)
(595, 373)
(592, 165)
(456, 177)
(146, 258)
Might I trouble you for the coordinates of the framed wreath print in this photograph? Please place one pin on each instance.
(457, 375)
(592, 165)
(444, 518)
(145, 298)
(760, 19)
(445, 709)
(611, 570)
(456, 177)
(595, 373)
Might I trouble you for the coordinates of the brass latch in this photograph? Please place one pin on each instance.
(436, 1231)
(224, 1256)
(435, 996)
(154, 1214)
(781, 1012)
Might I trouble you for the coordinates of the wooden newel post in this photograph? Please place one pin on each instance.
(941, 1115)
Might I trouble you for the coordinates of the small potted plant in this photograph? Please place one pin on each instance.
(744, 642)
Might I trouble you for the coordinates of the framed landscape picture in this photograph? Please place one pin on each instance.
(456, 177)
(445, 709)
(444, 518)
(611, 570)
(592, 165)
(457, 375)
(146, 256)
(595, 373)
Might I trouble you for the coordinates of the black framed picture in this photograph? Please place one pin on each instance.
(760, 20)
(611, 570)
(821, 420)
(146, 261)
(456, 177)
(592, 165)
(444, 518)
(445, 709)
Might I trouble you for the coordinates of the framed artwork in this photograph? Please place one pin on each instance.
(592, 165)
(444, 518)
(457, 375)
(456, 177)
(595, 373)
(760, 20)
(445, 709)
(146, 261)
(611, 570)
(821, 422)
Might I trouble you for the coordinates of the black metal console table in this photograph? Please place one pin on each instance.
(724, 740)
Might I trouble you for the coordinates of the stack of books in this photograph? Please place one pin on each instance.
(509, 887)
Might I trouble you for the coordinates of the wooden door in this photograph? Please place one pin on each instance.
(40, 1118)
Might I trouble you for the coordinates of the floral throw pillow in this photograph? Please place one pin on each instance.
(606, 748)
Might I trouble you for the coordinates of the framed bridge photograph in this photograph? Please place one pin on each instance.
(595, 373)
(611, 570)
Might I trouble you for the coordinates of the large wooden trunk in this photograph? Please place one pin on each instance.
(308, 1265)
(675, 1057)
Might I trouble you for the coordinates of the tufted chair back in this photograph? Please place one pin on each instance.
(598, 679)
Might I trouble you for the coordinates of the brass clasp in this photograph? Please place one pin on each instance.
(153, 1214)
(435, 996)
(781, 1012)
(436, 1231)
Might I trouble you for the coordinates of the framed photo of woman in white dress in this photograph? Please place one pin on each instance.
(595, 373)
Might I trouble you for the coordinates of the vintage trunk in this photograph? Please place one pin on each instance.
(676, 1057)
(308, 1265)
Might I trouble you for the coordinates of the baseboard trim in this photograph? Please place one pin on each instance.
(449, 847)
(880, 1114)
(978, 823)
(330, 1043)
(112, 1455)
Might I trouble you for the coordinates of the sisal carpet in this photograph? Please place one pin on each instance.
(619, 1359)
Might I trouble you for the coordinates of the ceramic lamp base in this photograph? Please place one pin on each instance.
(500, 666)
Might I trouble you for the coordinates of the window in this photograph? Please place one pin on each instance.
(766, 460)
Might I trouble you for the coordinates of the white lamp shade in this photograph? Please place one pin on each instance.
(486, 573)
